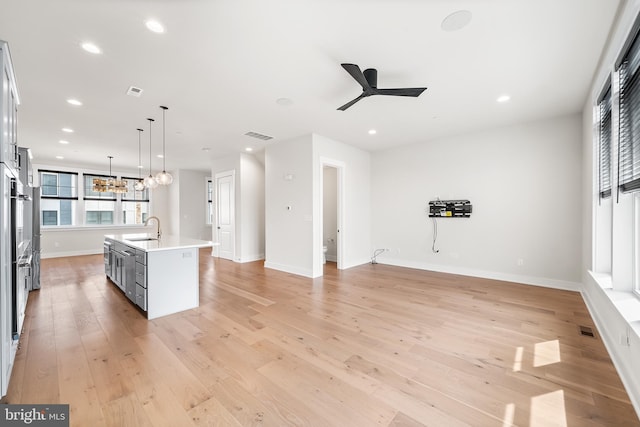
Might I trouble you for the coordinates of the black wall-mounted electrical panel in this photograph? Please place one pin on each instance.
(449, 208)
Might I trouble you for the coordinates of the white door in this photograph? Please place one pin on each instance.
(225, 198)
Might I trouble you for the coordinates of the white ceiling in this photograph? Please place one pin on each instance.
(221, 66)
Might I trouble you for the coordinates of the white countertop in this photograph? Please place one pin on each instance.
(165, 243)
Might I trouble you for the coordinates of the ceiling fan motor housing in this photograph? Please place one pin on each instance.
(371, 74)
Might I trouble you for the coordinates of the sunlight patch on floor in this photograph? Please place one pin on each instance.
(517, 360)
(547, 410)
(546, 353)
(509, 413)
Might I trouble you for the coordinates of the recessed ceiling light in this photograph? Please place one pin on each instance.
(59, 157)
(91, 48)
(154, 26)
(372, 131)
(249, 149)
(160, 156)
(284, 102)
(62, 141)
(456, 21)
(74, 102)
(503, 98)
(67, 130)
(140, 166)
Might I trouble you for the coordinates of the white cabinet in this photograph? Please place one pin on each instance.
(8, 111)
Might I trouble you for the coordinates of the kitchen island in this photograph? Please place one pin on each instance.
(159, 275)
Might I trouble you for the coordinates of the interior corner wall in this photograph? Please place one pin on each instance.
(355, 231)
(523, 182)
(289, 206)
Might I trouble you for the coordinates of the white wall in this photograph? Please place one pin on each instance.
(330, 211)
(522, 182)
(251, 208)
(192, 206)
(289, 242)
(171, 223)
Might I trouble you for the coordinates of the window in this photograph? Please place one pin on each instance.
(49, 217)
(209, 201)
(629, 138)
(604, 144)
(61, 205)
(59, 194)
(135, 204)
(99, 208)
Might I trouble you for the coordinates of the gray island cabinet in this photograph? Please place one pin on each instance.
(159, 275)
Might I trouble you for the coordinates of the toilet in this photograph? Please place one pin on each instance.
(324, 254)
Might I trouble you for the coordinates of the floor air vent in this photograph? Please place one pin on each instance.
(587, 331)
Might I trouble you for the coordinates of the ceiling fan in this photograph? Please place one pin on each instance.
(369, 82)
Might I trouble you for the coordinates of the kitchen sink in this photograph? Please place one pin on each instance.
(142, 239)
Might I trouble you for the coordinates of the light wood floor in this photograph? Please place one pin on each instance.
(371, 346)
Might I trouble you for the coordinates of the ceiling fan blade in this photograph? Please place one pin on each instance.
(350, 103)
(408, 91)
(355, 72)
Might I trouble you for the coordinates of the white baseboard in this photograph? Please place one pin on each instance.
(252, 258)
(289, 269)
(495, 275)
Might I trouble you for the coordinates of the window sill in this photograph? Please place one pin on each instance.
(626, 302)
(89, 227)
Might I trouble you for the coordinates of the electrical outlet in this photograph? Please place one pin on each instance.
(624, 338)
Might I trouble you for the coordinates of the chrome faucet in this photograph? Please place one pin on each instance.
(146, 222)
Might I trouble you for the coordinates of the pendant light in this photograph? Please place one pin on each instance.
(150, 181)
(109, 185)
(164, 178)
(139, 186)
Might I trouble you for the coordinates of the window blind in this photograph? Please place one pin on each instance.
(629, 140)
(604, 145)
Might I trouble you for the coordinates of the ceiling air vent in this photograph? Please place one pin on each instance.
(134, 91)
(259, 136)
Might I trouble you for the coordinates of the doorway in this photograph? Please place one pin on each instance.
(225, 214)
(330, 214)
(332, 224)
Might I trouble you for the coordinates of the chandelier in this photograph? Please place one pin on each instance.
(110, 184)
